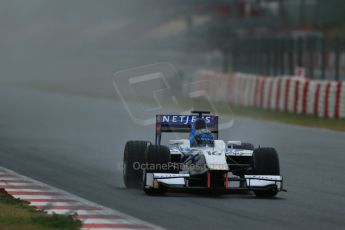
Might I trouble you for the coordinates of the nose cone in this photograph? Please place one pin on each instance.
(215, 160)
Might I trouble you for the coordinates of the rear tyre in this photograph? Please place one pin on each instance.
(266, 162)
(157, 158)
(133, 158)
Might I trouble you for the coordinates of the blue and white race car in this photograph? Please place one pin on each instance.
(202, 162)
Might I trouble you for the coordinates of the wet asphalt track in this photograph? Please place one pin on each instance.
(76, 143)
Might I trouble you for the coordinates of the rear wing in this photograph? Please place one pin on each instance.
(182, 124)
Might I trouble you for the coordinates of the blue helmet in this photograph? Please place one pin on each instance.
(200, 136)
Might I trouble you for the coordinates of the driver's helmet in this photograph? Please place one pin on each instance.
(203, 138)
(200, 136)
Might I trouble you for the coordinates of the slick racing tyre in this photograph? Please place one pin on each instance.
(134, 157)
(157, 158)
(266, 162)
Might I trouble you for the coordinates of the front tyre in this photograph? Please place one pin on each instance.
(266, 162)
(157, 158)
(133, 158)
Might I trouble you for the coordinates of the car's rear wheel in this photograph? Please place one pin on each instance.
(266, 162)
(134, 156)
(157, 158)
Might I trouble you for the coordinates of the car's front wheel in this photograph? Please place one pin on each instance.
(157, 159)
(133, 158)
(266, 162)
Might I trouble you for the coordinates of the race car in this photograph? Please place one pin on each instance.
(200, 162)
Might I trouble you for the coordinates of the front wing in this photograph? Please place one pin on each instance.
(249, 182)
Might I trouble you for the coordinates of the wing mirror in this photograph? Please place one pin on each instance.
(176, 142)
(231, 144)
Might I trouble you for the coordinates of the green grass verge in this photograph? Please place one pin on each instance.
(18, 215)
(276, 116)
(289, 118)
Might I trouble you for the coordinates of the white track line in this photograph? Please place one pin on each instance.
(53, 200)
